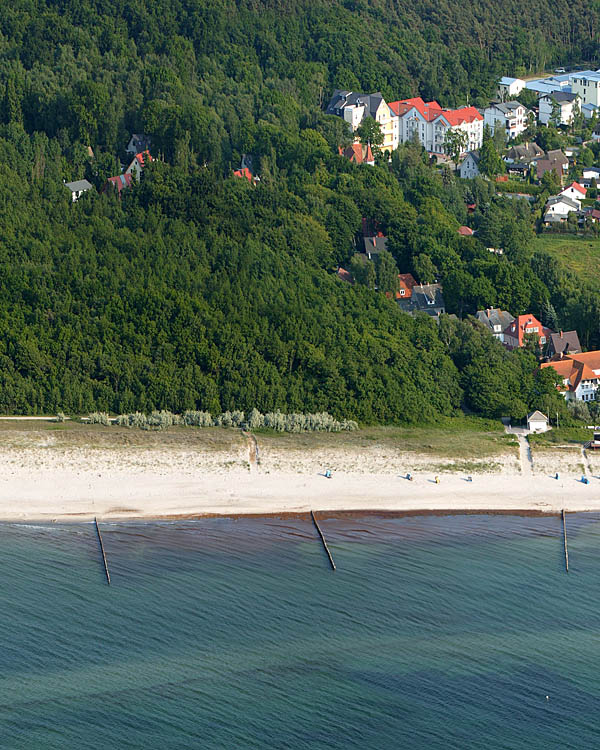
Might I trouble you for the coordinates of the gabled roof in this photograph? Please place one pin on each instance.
(406, 282)
(518, 328)
(357, 153)
(245, 172)
(573, 368)
(494, 316)
(474, 155)
(560, 96)
(344, 275)
(537, 416)
(119, 182)
(431, 111)
(525, 152)
(563, 199)
(465, 231)
(507, 80)
(78, 185)
(576, 186)
(565, 342)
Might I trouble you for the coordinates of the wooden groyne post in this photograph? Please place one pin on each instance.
(329, 555)
(564, 522)
(102, 550)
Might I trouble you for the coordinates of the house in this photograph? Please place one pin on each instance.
(580, 374)
(553, 160)
(465, 231)
(138, 143)
(555, 83)
(559, 207)
(516, 333)
(509, 87)
(575, 191)
(78, 188)
(495, 320)
(406, 283)
(596, 133)
(589, 174)
(428, 122)
(591, 214)
(589, 110)
(344, 275)
(511, 117)
(537, 422)
(566, 103)
(524, 153)
(562, 343)
(138, 163)
(118, 183)
(374, 245)
(425, 298)
(244, 174)
(358, 154)
(354, 107)
(470, 166)
(586, 84)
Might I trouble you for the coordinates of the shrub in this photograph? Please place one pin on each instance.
(99, 417)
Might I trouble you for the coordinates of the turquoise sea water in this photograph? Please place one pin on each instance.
(434, 632)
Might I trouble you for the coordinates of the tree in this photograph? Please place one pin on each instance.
(369, 133)
(455, 143)
(490, 163)
(555, 114)
(387, 273)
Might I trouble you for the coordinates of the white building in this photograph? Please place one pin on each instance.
(470, 166)
(537, 422)
(509, 87)
(580, 375)
(354, 107)
(78, 188)
(575, 191)
(566, 104)
(508, 116)
(429, 123)
(559, 207)
(586, 84)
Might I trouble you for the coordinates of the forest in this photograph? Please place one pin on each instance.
(199, 291)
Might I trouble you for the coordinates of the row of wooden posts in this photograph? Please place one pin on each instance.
(324, 541)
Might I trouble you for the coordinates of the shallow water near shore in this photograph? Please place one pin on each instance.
(434, 632)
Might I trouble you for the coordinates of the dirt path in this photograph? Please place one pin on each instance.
(253, 452)
(587, 467)
(525, 455)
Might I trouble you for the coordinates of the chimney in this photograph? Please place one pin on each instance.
(561, 334)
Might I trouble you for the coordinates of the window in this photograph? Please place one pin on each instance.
(402, 292)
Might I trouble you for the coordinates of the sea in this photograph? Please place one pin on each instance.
(457, 631)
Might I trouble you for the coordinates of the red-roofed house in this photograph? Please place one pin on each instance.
(139, 162)
(118, 183)
(429, 122)
(580, 375)
(465, 231)
(244, 173)
(358, 154)
(574, 190)
(406, 282)
(524, 325)
(344, 275)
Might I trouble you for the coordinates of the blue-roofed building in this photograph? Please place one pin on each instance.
(508, 88)
(542, 86)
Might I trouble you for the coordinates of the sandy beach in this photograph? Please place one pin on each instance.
(45, 476)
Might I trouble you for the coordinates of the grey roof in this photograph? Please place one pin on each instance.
(506, 107)
(425, 298)
(524, 152)
(507, 80)
(562, 199)
(342, 99)
(475, 154)
(374, 245)
(565, 342)
(557, 155)
(561, 96)
(537, 415)
(78, 185)
(494, 316)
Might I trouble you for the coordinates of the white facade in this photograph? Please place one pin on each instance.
(537, 422)
(561, 208)
(388, 122)
(566, 109)
(587, 85)
(432, 132)
(510, 117)
(470, 167)
(572, 192)
(509, 87)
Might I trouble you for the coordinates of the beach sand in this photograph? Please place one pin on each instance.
(44, 476)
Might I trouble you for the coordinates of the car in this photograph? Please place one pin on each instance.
(559, 70)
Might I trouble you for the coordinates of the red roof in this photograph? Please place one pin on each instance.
(245, 172)
(576, 186)
(465, 231)
(357, 153)
(406, 282)
(144, 156)
(344, 275)
(431, 111)
(118, 183)
(523, 325)
(574, 368)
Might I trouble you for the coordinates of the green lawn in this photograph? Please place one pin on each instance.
(561, 436)
(579, 254)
